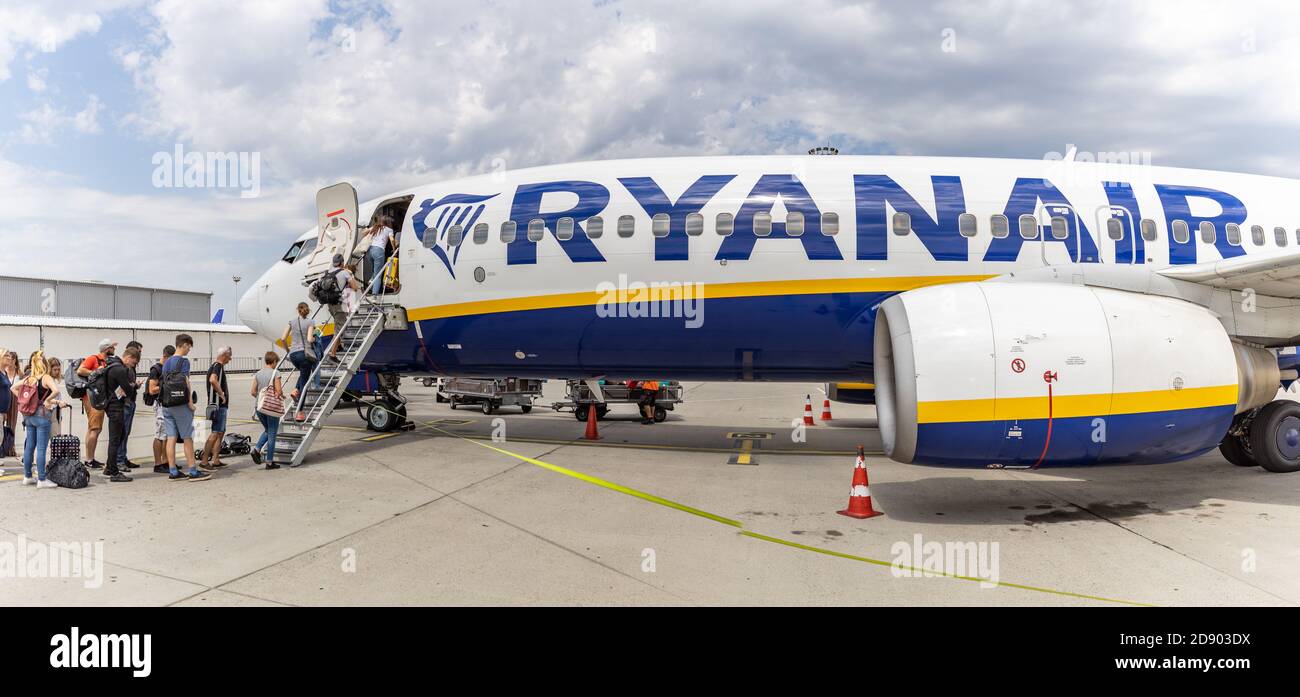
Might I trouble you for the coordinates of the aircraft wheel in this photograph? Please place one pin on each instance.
(1234, 451)
(1275, 436)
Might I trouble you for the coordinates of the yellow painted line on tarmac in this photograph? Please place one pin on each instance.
(371, 439)
(10, 477)
(768, 538)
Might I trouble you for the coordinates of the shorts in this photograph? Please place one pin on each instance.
(94, 417)
(178, 422)
(219, 420)
(159, 430)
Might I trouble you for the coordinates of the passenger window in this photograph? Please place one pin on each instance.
(1114, 229)
(595, 227)
(902, 223)
(1233, 233)
(508, 231)
(1000, 226)
(1181, 232)
(762, 224)
(1257, 235)
(294, 250)
(536, 229)
(793, 224)
(967, 225)
(626, 225)
(725, 224)
(1148, 230)
(831, 224)
(1279, 233)
(1028, 227)
(1208, 233)
(454, 236)
(480, 233)
(660, 225)
(564, 228)
(1060, 228)
(694, 225)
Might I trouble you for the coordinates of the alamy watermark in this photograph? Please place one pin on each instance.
(637, 299)
(922, 559)
(208, 170)
(32, 559)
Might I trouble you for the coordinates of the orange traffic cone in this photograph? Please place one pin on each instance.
(860, 494)
(807, 411)
(826, 410)
(591, 434)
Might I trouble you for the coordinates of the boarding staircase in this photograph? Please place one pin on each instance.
(354, 340)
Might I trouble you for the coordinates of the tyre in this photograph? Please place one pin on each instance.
(526, 407)
(379, 418)
(1235, 452)
(487, 407)
(439, 398)
(452, 399)
(1275, 436)
(661, 415)
(601, 411)
(580, 412)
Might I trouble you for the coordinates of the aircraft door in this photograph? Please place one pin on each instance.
(336, 226)
(1120, 229)
(1061, 224)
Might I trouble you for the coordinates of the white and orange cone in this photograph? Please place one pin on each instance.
(826, 409)
(807, 411)
(860, 494)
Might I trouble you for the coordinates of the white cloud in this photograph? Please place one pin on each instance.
(43, 124)
(47, 27)
(36, 79)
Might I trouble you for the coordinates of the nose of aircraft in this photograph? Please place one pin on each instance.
(249, 312)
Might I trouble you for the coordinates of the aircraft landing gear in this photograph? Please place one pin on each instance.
(1268, 437)
(386, 411)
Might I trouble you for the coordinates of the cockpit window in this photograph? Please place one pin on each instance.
(308, 247)
(293, 252)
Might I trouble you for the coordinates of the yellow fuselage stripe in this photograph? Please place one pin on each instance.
(710, 291)
(1066, 406)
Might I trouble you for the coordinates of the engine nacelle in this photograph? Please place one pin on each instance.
(1053, 374)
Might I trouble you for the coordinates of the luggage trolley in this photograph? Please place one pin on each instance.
(492, 393)
(580, 398)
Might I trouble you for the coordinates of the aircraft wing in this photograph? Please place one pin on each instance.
(1278, 276)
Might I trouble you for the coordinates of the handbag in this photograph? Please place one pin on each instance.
(269, 402)
(363, 244)
(307, 349)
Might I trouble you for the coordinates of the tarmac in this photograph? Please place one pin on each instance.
(517, 509)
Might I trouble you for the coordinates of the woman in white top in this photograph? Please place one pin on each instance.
(381, 238)
(56, 374)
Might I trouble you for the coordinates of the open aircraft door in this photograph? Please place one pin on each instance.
(336, 226)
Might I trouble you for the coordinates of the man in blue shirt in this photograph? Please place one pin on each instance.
(178, 421)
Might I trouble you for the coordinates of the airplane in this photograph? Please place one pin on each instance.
(998, 312)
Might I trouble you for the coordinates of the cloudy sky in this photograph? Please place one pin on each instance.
(390, 93)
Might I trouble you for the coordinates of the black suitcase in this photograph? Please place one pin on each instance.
(65, 446)
(66, 468)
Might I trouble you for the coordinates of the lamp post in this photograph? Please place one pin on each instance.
(237, 279)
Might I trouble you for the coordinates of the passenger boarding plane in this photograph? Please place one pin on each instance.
(1012, 312)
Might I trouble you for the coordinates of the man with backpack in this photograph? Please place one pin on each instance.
(129, 411)
(94, 417)
(120, 386)
(178, 411)
(152, 392)
(329, 291)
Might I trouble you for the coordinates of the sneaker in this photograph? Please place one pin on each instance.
(28, 481)
(95, 464)
(301, 416)
(161, 469)
(206, 467)
(176, 476)
(272, 466)
(127, 464)
(46, 484)
(198, 476)
(257, 457)
(117, 477)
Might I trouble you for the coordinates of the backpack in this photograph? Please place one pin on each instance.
(155, 374)
(29, 399)
(326, 290)
(97, 388)
(174, 392)
(75, 383)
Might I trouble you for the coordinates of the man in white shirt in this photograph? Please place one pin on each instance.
(380, 241)
(344, 279)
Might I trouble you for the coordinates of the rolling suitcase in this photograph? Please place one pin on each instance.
(66, 468)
